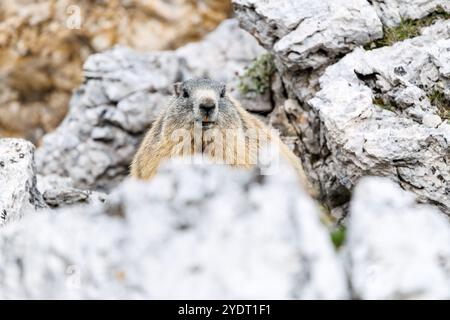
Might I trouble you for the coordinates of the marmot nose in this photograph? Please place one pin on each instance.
(207, 106)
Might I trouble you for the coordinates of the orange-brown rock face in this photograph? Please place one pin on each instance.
(43, 44)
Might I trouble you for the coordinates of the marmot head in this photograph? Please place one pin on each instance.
(202, 103)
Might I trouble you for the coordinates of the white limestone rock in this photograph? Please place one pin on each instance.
(18, 192)
(59, 192)
(396, 249)
(192, 232)
(364, 138)
(309, 34)
(392, 12)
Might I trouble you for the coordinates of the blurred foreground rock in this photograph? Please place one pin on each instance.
(192, 232)
(212, 232)
(43, 45)
(123, 93)
(18, 192)
(396, 249)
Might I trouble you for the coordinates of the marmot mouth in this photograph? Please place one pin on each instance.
(208, 124)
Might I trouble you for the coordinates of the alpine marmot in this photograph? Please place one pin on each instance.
(203, 119)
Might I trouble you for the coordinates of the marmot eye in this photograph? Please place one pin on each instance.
(185, 93)
(222, 93)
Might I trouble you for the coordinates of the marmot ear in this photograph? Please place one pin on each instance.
(223, 90)
(177, 88)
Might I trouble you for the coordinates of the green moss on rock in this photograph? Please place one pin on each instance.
(382, 104)
(257, 76)
(407, 29)
(440, 101)
(338, 237)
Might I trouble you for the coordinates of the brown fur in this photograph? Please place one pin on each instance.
(158, 146)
